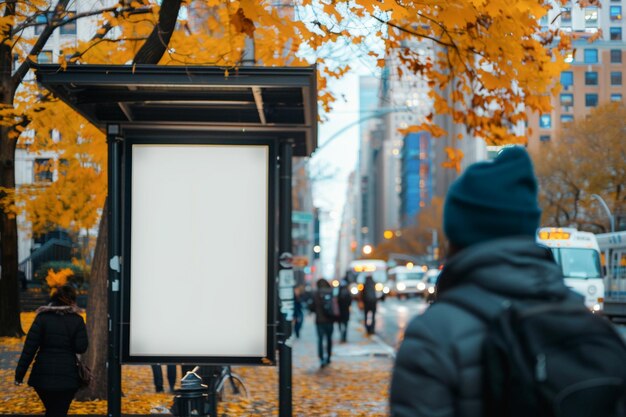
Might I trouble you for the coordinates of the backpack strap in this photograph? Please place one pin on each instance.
(475, 300)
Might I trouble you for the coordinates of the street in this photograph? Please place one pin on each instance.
(394, 315)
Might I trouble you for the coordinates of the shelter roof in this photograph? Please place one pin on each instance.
(276, 101)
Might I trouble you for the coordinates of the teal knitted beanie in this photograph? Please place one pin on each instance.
(493, 199)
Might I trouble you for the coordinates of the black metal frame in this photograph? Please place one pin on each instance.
(200, 138)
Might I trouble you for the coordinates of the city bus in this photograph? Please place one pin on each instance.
(613, 250)
(578, 255)
(361, 268)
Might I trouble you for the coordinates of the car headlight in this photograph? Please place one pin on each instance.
(379, 287)
(431, 290)
(386, 290)
(354, 290)
(596, 307)
(592, 289)
(421, 286)
(400, 286)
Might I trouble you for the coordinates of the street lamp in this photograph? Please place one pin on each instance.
(607, 209)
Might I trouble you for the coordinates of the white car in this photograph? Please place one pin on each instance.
(406, 281)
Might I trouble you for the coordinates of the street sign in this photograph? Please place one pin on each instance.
(301, 217)
(286, 260)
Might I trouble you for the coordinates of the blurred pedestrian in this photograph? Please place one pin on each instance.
(322, 306)
(57, 334)
(157, 377)
(345, 300)
(495, 270)
(370, 300)
(298, 313)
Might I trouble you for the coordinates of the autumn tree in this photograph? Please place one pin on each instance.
(416, 240)
(586, 158)
(492, 55)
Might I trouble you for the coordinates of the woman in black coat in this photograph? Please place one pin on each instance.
(55, 337)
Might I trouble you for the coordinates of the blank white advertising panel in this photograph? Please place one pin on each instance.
(199, 250)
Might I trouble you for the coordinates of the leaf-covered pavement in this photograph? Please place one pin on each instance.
(350, 386)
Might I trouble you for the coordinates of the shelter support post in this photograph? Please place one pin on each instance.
(285, 283)
(114, 367)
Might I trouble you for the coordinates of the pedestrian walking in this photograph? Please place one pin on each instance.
(324, 320)
(345, 300)
(370, 300)
(454, 360)
(298, 313)
(157, 377)
(57, 334)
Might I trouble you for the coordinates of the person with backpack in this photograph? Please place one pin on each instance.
(325, 316)
(505, 336)
(344, 299)
(369, 301)
(56, 336)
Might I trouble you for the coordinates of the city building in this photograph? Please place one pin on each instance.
(595, 75)
(417, 179)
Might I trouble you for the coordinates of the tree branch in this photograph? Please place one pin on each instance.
(21, 72)
(156, 44)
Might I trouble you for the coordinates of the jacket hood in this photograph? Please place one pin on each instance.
(73, 309)
(513, 266)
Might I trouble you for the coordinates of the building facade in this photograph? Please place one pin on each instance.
(596, 71)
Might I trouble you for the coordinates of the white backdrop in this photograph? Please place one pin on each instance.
(199, 250)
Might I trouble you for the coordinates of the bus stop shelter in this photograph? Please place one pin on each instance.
(199, 202)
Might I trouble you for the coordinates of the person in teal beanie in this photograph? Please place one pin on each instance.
(493, 199)
(490, 217)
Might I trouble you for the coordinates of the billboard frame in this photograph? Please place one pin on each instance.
(198, 138)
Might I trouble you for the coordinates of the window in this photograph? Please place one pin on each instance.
(44, 57)
(567, 79)
(616, 56)
(591, 56)
(567, 118)
(567, 100)
(591, 78)
(616, 78)
(545, 121)
(591, 16)
(616, 13)
(42, 170)
(616, 97)
(40, 21)
(566, 15)
(591, 100)
(544, 138)
(69, 28)
(616, 34)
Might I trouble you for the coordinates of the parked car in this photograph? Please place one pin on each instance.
(406, 281)
(429, 283)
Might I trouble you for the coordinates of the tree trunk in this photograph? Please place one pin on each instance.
(9, 289)
(97, 311)
(97, 308)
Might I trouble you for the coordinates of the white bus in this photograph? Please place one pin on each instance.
(613, 249)
(578, 255)
(361, 268)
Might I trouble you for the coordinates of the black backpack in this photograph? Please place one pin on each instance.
(330, 305)
(546, 358)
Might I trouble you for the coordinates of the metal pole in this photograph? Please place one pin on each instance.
(286, 304)
(114, 367)
(607, 209)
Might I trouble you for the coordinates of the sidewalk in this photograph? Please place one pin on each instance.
(354, 384)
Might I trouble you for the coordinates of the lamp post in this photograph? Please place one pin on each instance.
(606, 209)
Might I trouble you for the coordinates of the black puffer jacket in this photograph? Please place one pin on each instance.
(56, 336)
(438, 367)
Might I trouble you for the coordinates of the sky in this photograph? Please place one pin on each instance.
(339, 157)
